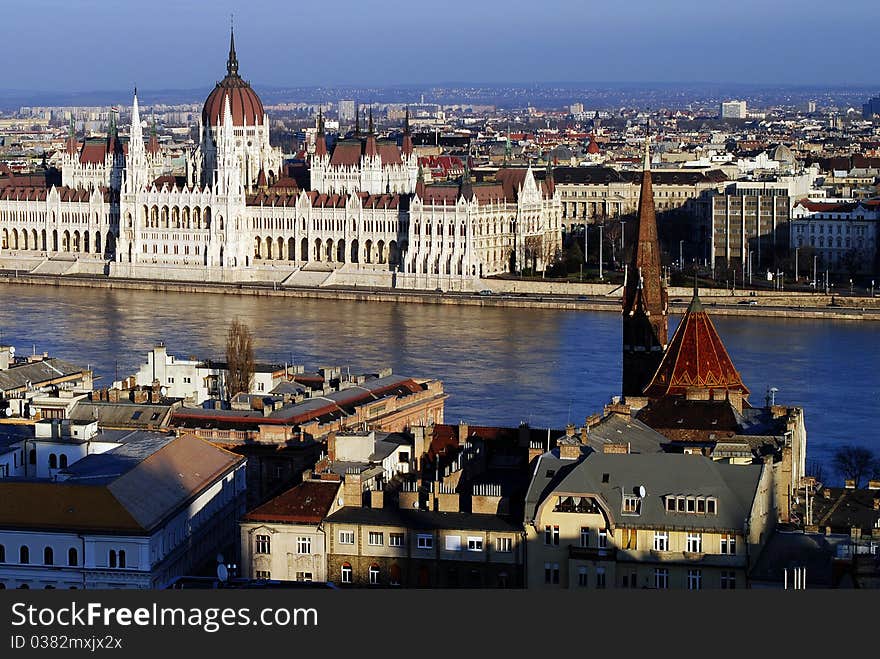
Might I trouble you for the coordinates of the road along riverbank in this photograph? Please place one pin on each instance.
(795, 305)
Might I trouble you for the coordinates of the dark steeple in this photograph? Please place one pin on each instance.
(645, 330)
(232, 62)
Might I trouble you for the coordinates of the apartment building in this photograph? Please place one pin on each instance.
(658, 521)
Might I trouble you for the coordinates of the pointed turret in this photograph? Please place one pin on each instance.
(71, 139)
(407, 145)
(371, 150)
(153, 144)
(136, 163)
(420, 183)
(357, 120)
(549, 180)
(262, 182)
(645, 331)
(466, 190)
(320, 139)
(696, 359)
(232, 61)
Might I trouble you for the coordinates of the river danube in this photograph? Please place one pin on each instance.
(499, 365)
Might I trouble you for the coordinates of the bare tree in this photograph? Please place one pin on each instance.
(239, 359)
(855, 463)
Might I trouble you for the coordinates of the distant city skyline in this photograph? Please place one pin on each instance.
(102, 45)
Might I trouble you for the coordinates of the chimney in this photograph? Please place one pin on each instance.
(849, 484)
(408, 500)
(331, 446)
(352, 491)
(874, 484)
(377, 498)
(462, 432)
(569, 448)
(616, 447)
(447, 502)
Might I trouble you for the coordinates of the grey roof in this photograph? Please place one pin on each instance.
(36, 373)
(286, 387)
(122, 415)
(616, 429)
(101, 468)
(611, 475)
(422, 519)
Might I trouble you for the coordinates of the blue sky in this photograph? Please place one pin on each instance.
(160, 44)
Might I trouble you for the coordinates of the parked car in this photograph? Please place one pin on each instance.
(485, 291)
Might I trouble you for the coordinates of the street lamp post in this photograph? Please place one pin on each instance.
(750, 267)
(622, 243)
(681, 255)
(601, 226)
(796, 249)
(815, 273)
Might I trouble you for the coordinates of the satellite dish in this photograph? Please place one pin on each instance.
(340, 501)
(415, 504)
(222, 572)
(11, 350)
(32, 412)
(642, 491)
(163, 391)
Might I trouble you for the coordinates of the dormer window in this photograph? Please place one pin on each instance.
(632, 505)
(712, 506)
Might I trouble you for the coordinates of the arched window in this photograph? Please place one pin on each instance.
(112, 558)
(2, 553)
(53, 461)
(121, 558)
(32, 456)
(24, 555)
(346, 573)
(72, 558)
(374, 574)
(62, 461)
(48, 556)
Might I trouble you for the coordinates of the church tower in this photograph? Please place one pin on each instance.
(644, 297)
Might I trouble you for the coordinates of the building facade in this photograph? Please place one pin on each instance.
(76, 514)
(656, 521)
(842, 233)
(237, 216)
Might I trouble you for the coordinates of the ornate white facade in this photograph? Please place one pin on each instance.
(368, 219)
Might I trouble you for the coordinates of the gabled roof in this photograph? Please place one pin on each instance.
(696, 357)
(307, 503)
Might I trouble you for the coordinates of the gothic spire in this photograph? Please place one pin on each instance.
(232, 62)
(645, 328)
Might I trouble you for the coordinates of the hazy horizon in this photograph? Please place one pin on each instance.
(102, 45)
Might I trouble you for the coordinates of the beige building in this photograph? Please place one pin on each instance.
(661, 521)
(590, 193)
(284, 539)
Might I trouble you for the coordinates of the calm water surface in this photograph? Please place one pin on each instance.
(500, 366)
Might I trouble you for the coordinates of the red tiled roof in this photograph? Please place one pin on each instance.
(308, 503)
(93, 152)
(347, 153)
(696, 357)
(390, 153)
(245, 105)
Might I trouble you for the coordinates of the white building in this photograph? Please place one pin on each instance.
(196, 380)
(238, 217)
(284, 538)
(734, 110)
(843, 233)
(113, 509)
